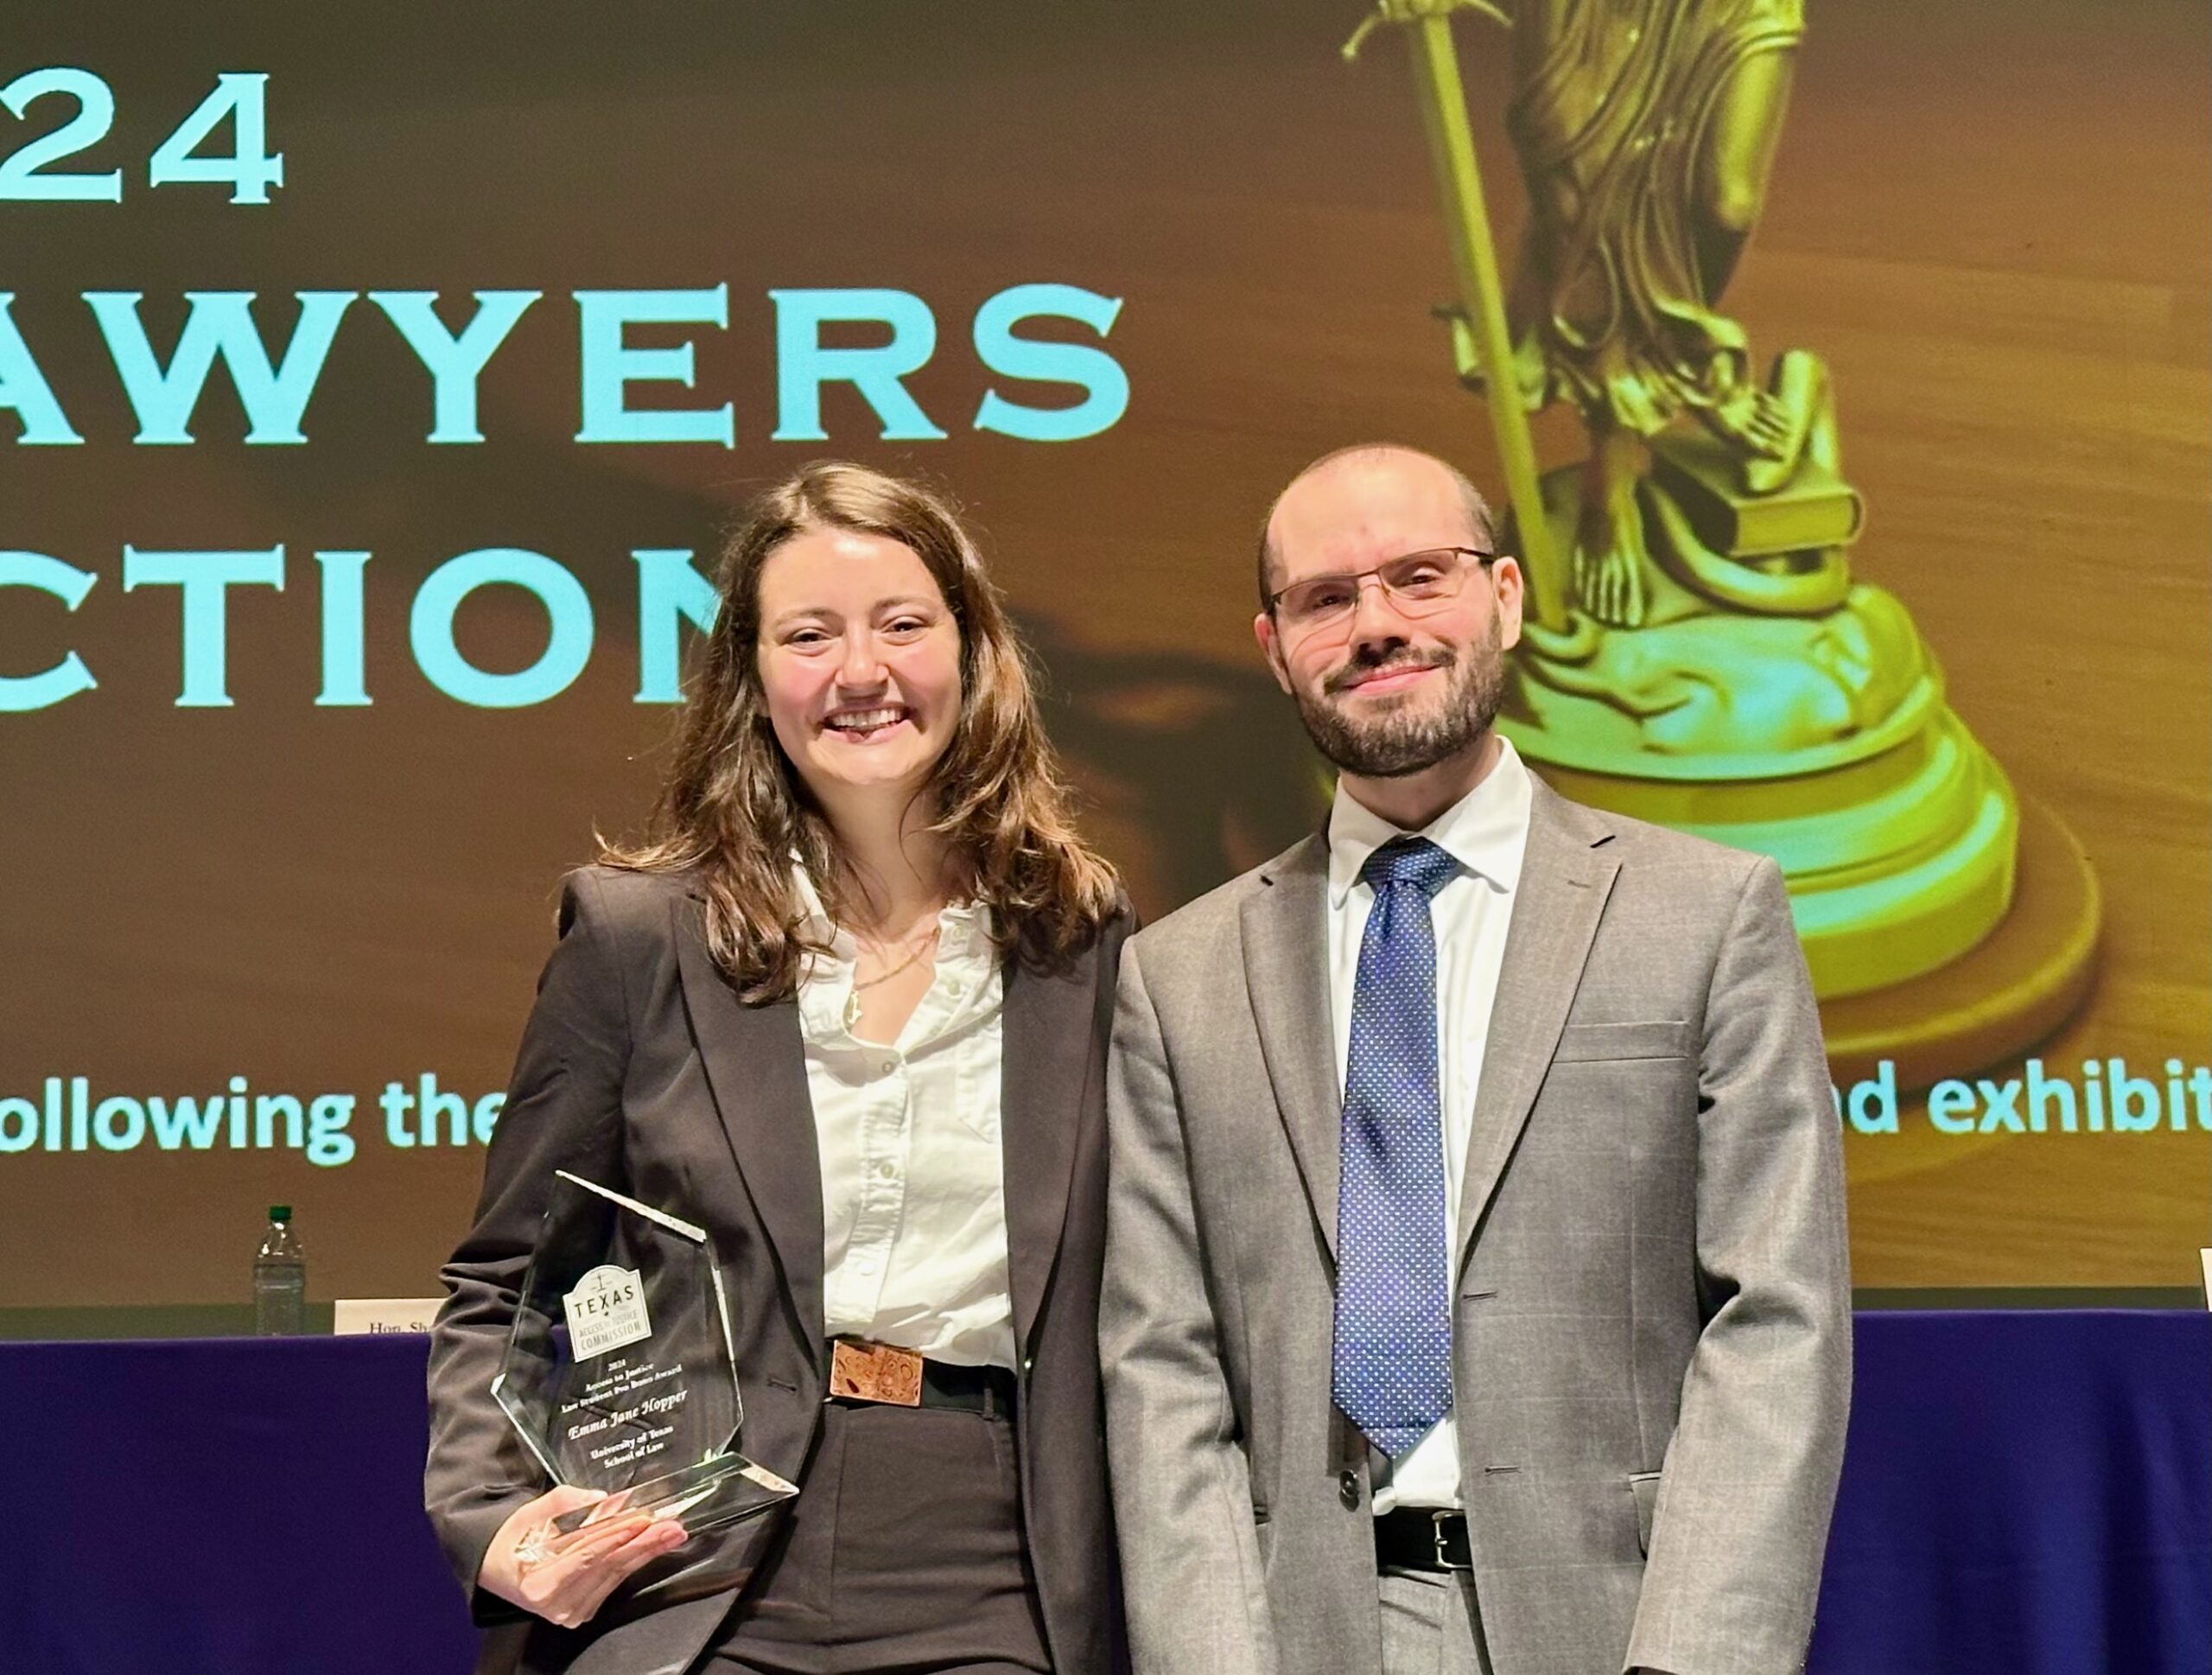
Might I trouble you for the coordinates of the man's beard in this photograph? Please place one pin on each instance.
(1411, 739)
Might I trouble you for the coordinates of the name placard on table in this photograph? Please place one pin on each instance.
(365, 1316)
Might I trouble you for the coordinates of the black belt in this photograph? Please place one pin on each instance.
(1422, 1538)
(986, 1390)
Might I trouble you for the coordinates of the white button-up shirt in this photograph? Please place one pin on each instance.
(913, 1181)
(1485, 831)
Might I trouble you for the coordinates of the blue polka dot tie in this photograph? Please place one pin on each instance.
(1391, 1373)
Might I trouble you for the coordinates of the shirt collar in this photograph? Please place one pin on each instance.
(965, 926)
(965, 954)
(1485, 831)
(814, 920)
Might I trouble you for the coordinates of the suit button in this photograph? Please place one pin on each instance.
(1348, 1487)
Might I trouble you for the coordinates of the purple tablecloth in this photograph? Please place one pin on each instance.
(2023, 1494)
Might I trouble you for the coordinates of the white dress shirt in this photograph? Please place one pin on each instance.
(1485, 831)
(913, 1181)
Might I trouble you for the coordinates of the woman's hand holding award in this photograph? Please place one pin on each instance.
(620, 1377)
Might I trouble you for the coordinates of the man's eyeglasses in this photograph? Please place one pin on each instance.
(1419, 584)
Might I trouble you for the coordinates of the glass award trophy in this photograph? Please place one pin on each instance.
(619, 1372)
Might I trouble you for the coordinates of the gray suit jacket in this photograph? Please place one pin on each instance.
(1652, 1308)
(641, 1070)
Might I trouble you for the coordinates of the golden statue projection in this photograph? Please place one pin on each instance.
(1700, 652)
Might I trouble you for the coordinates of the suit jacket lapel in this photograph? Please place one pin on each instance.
(1287, 976)
(1565, 879)
(1046, 1053)
(756, 1069)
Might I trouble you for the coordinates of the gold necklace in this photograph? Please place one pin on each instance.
(915, 950)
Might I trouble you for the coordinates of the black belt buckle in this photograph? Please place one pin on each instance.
(1441, 1529)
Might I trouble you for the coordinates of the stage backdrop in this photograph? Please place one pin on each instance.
(375, 386)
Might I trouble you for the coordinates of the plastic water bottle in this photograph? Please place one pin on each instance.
(280, 1279)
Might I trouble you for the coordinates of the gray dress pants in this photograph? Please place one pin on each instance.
(1430, 1624)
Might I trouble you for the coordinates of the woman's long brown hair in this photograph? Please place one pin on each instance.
(733, 812)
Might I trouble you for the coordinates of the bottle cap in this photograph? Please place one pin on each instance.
(280, 1212)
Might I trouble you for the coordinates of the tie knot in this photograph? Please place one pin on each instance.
(1413, 861)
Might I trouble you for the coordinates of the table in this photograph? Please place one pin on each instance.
(2025, 1493)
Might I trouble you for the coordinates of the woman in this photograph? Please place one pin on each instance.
(848, 1011)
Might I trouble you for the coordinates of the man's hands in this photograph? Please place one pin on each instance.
(566, 1578)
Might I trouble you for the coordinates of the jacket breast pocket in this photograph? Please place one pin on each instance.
(1583, 1043)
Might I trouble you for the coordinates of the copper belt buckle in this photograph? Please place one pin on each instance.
(863, 1371)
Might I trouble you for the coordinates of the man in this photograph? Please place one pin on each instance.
(1476, 1294)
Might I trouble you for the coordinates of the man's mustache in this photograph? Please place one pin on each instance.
(1362, 668)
